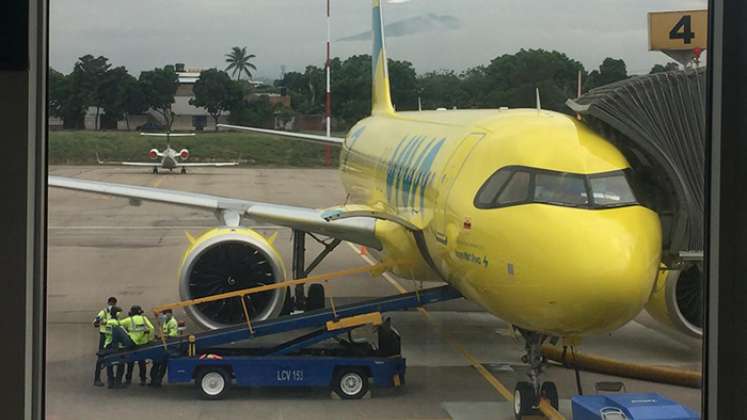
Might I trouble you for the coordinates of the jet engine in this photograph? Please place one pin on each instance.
(227, 259)
(184, 154)
(677, 300)
(153, 153)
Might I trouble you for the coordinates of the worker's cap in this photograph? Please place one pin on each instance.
(136, 310)
(112, 300)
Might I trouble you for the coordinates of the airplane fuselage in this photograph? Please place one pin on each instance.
(584, 264)
(169, 159)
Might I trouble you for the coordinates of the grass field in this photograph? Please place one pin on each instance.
(80, 148)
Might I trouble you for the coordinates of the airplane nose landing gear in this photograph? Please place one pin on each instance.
(527, 395)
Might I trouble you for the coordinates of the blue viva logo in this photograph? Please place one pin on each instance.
(409, 170)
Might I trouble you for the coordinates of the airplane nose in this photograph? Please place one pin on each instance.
(585, 271)
(616, 255)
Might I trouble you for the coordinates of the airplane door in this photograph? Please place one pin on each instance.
(450, 173)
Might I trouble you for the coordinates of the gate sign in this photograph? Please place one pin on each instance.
(681, 30)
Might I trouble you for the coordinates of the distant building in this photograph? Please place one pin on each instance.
(187, 117)
(275, 98)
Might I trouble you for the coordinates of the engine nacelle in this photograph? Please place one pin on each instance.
(226, 259)
(677, 300)
(184, 154)
(153, 153)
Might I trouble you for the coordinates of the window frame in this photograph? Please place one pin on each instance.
(590, 204)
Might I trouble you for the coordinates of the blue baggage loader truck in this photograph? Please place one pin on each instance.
(347, 368)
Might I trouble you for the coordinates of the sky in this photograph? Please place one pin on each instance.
(432, 34)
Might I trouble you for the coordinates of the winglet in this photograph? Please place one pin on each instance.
(539, 105)
(381, 100)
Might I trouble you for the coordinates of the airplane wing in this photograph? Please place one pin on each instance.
(337, 141)
(148, 164)
(230, 211)
(206, 164)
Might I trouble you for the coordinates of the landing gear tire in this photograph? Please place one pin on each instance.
(214, 383)
(549, 392)
(184, 170)
(315, 297)
(350, 384)
(525, 400)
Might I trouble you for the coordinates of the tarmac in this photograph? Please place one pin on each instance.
(100, 246)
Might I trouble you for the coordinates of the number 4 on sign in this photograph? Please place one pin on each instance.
(683, 30)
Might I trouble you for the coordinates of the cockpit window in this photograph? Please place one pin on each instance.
(520, 185)
(489, 191)
(610, 190)
(560, 188)
(516, 189)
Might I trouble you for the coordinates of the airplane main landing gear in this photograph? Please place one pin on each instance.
(184, 170)
(155, 170)
(527, 395)
(313, 298)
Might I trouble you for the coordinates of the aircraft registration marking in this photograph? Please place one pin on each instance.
(472, 258)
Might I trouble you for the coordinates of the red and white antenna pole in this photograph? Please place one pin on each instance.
(328, 96)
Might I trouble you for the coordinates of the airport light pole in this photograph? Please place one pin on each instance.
(328, 95)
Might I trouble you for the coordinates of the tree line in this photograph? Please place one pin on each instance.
(508, 80)
(116, 94)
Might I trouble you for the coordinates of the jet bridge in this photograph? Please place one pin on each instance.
(658, 122)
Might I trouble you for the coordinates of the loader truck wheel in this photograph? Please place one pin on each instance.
(214, 383)
(350, 384)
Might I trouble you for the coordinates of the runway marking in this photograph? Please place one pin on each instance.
(486, 374)
(156, 182)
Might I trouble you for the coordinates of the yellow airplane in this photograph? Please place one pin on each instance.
(526, 212)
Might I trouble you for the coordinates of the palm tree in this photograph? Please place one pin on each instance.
(238, 63)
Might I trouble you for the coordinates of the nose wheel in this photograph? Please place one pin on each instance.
(527, 394)
(526, 401)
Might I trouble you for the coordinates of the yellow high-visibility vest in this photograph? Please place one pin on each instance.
(170, 328)
(110, 324)
(102, 317)
(139, 328)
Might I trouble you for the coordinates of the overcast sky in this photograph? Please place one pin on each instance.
(432, 34)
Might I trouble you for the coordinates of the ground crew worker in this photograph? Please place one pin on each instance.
(169, 328)
(100, 322)
(140, 331)
(113, 380)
